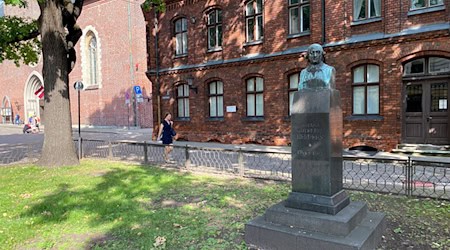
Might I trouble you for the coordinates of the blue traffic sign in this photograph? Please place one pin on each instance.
(137, 90)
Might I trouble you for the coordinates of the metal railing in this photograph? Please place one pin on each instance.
(412, 176)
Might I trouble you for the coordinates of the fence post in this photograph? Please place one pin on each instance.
(80, 148)
(409, 177)
(187, 163)
(145, 152)
(110, 152)
(241, 162)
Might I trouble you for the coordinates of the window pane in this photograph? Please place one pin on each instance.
(2, 8)
(415, 67)
(294, 21)
(212, 37)
(415, 4)
(250, 105)
(179, 44)
(436, 2)
(358, 75)
(180, 90)
(212, 17)
(259, 6)
(291, 100)
(219, 88)
(212, 106)
(184, 24)
(186, 107)
(251, 85)
(219, 35)
(178, 26)
(373, 96)
(259, 105)
(219, 16)
(375, 8)
(414, 98)
(186, 90)
(250, 29)
(358, 100)
(180, 108)
(293, 1)
(250, 10)
(293, 81)
(305, 18)
(259, 28)
(438, 64)
(212, 88)
(373, 72)
(184, 42)
(259, 84)
(220, 106)
(361, 11)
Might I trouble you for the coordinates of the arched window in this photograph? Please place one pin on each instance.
(214, 27)
(254, 20)
(183, 100)
(427, 66)
(366, 89)
(293, 87)
(180, 36)
(216, 99)
(93, 58)
(255, 97)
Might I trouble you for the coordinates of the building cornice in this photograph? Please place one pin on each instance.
(357, 41)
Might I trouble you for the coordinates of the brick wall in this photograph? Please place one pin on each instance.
(276, 64)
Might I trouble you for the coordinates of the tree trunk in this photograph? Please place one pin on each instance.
(58, 149)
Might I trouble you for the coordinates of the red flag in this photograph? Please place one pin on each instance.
(40, 92)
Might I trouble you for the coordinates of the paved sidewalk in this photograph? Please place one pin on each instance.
(144, 134)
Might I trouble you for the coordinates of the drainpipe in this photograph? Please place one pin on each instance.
(323, 22)
(158, 87)
(130, 52)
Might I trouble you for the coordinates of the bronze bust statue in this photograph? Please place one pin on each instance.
(317, 75)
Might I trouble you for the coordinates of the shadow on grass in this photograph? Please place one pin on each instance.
(140, 207)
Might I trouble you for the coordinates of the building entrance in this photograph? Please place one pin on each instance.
(426, 115)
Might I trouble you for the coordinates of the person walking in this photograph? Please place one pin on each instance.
(166, 134)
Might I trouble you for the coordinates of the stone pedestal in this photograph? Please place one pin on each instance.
(318, 213)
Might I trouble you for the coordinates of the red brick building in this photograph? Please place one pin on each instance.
(227, 69)
(111, 59)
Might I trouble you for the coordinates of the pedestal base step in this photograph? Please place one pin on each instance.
(265, 233)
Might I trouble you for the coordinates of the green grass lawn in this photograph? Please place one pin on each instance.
(116, 205)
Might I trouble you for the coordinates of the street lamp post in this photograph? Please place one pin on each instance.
(78, 85)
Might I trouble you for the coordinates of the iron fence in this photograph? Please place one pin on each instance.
(412, 176)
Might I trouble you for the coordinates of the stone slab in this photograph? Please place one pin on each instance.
(340, 224)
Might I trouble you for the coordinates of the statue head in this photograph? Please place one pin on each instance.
(315, 53)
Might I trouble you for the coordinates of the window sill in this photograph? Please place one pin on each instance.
(180, 56)
(92, 87)
(296, 35)
(182, 119)
(218, 49)
(253, 119)
(366, 21)
(215, 119)
(253, 43)
(426, 10)
(364, 118)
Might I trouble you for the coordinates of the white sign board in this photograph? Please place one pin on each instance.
(231, 109)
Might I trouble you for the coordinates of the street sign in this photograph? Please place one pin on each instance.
(78, 85)
(140, 98)
(137, 90)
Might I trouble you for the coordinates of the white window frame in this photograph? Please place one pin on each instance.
(216, 25)
(182, 91)
(366, 85)
(215, 90)
(428, 4)
(180, 35)
(258, 28)
(357, 5)
(255, 94)
(299, 5)
(86, 62)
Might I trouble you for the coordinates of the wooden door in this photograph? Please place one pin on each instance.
(426, 118)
